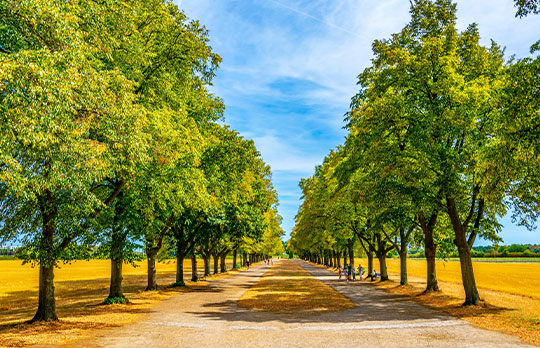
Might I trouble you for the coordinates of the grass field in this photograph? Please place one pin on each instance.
(513, 278)
(290, 288)
(80, 288)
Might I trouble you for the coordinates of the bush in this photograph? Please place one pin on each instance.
(177, 284)
(476, 253)
(116, 300)
(419, 255)
(238, 266)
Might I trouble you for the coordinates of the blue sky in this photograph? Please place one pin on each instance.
(289, 70)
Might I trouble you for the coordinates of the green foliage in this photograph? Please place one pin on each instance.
(108, 137)
(526, 7)
(116, 300)
(442, 134)
(177, 284)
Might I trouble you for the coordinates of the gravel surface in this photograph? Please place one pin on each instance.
(211, 318)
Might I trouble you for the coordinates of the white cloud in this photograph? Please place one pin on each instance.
(262, 42)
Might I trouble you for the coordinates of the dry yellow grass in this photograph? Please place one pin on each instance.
(510, 293)
(287, 287)
(80, 290)
(513, 278)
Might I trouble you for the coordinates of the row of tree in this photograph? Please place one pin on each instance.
(109, 137)
(443, 140)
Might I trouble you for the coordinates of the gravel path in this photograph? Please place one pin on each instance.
(211, 318)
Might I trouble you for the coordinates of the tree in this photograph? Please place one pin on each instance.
(526, 7)
(437, 89)
(59, 112)
(83, 84)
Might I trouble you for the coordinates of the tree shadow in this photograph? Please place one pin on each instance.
(371, 305)
(77, 298)
(436, 301)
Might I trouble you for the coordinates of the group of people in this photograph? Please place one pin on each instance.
(349, 271)
(269, 262)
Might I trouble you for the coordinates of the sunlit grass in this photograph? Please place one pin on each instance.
(287, 287)
(513, 278)
(81, 288)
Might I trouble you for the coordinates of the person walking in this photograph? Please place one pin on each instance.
(354, 274)
(339, 271)
(247, 264)
(360, 271)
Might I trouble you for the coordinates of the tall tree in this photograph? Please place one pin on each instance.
(439, 89)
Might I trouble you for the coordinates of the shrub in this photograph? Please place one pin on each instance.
(177, 284)
(238, 265)
(476, 253)
(116, 300)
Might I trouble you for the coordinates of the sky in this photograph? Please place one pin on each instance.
(290, 68)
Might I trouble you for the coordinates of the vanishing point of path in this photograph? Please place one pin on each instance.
(211, 318)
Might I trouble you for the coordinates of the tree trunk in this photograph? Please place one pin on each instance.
(234, 260)
(222, 263)
(152, 281)
(46, 302)
(344, 258)
(403, 279)
(118, 242)
(350, 246)
(47, 305)
(194, 271)
(216, 263)
(472, 297)
(180, 262)
(206, 259)
(430, 250)
(382, 265)
(370, 262)
(116, 289)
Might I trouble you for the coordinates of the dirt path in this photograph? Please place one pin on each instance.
(211, 318)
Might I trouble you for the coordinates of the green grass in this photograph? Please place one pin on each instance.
(7, 257)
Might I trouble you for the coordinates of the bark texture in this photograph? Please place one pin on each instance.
(194, 271)
(430, 249)
(46, 302)
(152, 281)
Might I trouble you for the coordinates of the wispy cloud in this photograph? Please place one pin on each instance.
(290, 68)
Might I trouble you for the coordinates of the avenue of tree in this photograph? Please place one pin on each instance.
(109, 139)
(442, 141)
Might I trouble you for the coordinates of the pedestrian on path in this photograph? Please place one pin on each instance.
(247, 264)
(353, 273)
(340, 271)
(360, 271)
